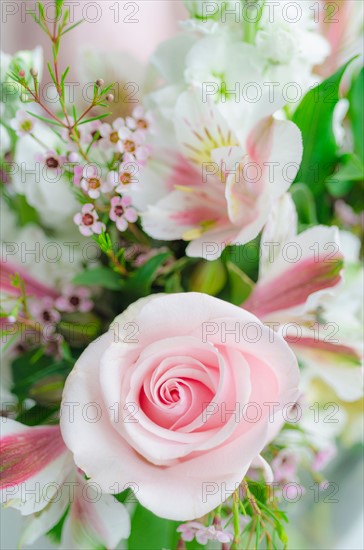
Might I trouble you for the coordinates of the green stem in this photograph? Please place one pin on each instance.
(236, 522)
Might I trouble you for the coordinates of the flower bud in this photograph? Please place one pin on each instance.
(110, 98)
(208, 277)
(34, 72)
(100, 83)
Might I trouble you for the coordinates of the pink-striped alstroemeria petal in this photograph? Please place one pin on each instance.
(338, 365)
(308, 266)
(35, 462)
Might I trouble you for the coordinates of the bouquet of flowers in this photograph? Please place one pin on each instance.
(181, 287)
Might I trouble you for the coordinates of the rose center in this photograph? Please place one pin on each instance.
(170, 392)
(87, 219)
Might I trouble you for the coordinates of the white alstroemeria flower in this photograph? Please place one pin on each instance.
(40, 479)
(219, 189)
(291, 45)
(44, 189)
(230, 73)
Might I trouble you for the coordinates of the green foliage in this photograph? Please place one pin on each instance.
(238, 287)
(24, 212)
(356, 113)
(314, 117)
(99, 276)
(245, 257)
(99, 117)
(305, 203)
(149, 532)
(79, 328)
(45, 119)
(55, 534)
(38, 414)
(140, 282)
(32, 367)
(349, 172)
(267, 519)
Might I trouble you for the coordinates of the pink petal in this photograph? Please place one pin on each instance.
(87, 208)
(122, 224)
(36, 456)
(86, 231)
(115, 201)
(98, 227)
(131, 215)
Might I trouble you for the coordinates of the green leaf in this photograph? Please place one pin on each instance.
(26, 213)
(239, 285)
(48, 120)
(36, 415)
(94, 118)
(53, 76)
(149, 532)
(314, 117)
(246, 257)
(74, 112)
(32, 366)
(107, 89)
(352, 169)
(174, 284)
(305, 203)
(342, 181)
(140, 282)
(194, 545)
(79, 329)
(72, 26)
(59, 4)
(55, 534)
(100, 276)
(356, 113)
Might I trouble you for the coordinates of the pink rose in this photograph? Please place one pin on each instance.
(174, 401)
